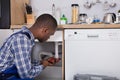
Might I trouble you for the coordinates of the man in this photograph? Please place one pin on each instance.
(15, 53)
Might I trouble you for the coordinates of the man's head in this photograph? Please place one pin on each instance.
(44, 26)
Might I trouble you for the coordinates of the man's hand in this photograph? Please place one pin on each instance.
(50, 61)
(53, 60)
(45, 63)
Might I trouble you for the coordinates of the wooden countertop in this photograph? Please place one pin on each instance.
(20, 26)
(90, 26)
(75, 26)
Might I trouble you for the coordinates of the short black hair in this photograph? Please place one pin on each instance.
(46, 20)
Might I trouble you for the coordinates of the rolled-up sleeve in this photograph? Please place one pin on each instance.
(22, 53)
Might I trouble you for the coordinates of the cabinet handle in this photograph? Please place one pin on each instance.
(92, 36)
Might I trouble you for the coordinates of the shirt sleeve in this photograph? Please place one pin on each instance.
(22, 52)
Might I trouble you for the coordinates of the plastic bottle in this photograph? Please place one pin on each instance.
(63, 19)
(57, 15)
(53, 10)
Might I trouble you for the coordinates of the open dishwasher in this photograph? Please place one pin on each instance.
(93, 52)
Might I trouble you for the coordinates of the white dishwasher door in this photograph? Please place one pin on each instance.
(92, 51)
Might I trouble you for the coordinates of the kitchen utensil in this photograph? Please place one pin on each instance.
(113, 4)
(106, 5)
(87, 5)
(109, 18)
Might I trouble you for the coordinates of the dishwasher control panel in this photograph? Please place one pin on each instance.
(92, 34)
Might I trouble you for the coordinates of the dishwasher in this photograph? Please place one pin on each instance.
(93, 52)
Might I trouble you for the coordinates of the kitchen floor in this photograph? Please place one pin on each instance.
(49, 79)
(50, 73)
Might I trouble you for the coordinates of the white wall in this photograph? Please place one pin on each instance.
(4, 34)
(45, 6)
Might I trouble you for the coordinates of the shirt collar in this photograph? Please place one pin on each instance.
(25, 29)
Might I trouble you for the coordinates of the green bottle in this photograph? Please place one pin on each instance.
(63, 19)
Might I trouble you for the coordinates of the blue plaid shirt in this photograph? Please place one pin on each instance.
(16, 50)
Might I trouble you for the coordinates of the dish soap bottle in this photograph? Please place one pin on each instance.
(63, 19)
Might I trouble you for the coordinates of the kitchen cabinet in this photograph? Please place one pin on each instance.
(5, 14)
(60, 35)
(18, 11)
(50, 72)
(53, 45)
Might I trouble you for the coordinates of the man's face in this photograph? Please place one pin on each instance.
(45, 34)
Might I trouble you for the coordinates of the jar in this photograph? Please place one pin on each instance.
(75, 13)
(82, 18)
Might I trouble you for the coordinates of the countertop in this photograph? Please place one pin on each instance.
(81, 26)
(28, 25)
(90, 26)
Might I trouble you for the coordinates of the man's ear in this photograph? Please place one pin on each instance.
(44, 30)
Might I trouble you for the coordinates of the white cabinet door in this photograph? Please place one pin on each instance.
(4, 34)
(92, 51)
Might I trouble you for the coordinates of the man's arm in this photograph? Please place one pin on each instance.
(22, 52)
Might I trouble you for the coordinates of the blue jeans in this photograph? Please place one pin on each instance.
(11, 74)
